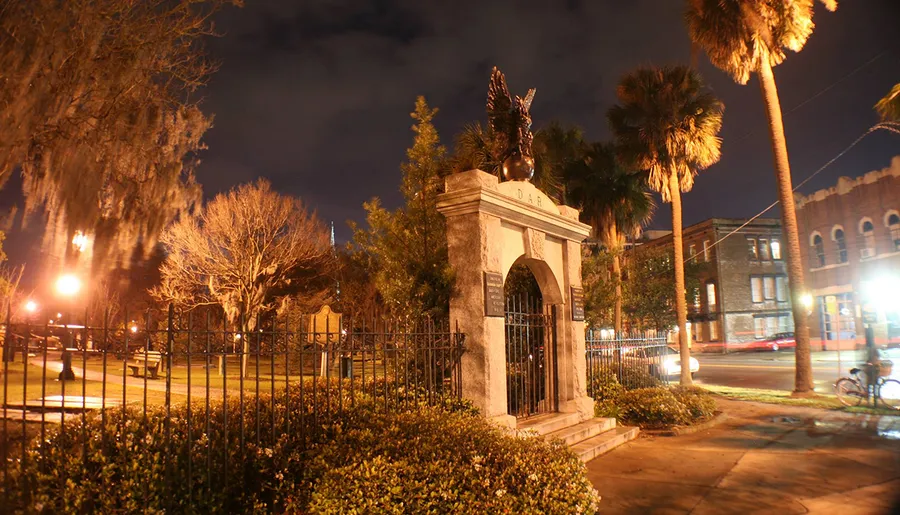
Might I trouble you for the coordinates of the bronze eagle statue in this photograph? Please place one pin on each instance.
(510, 123)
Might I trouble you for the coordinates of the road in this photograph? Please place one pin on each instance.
(775, 370)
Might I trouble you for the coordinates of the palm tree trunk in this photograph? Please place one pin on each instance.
(803, 369)
(615, 248)
(680, 301)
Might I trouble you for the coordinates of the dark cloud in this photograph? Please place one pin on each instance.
(315, 95)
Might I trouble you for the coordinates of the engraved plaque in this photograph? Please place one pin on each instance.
(494, 300)
(577, 304)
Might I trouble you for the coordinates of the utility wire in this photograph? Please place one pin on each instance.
(889, 126)
(820, 92)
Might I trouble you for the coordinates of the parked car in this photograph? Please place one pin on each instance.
(777, 341)
(663, 360)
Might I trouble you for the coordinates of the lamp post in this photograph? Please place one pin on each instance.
(68, 285)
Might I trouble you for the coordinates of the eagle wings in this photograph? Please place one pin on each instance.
(509, 118)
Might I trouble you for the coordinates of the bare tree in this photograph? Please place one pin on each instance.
(99, 110)
(249, 250)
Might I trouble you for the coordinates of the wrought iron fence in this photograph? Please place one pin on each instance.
(212, 373)
(637, 359)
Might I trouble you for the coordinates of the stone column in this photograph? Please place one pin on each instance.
(573, 397)
(471, 237)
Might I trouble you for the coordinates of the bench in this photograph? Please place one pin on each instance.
(148, 361)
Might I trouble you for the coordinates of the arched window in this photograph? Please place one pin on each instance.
(838, 236)
(893, 223)
(866, 238)
(817, 251)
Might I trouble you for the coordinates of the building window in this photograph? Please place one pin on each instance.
(893, 223)
(775, 247)
(769, 287)
(867, 235)
(817, 254)
(692, 252)
(697, 329)
(780, 288)
(764, 250)
(838, 236)
(711, 296)
(756, 290)
(759, 327)
(771, 326)
(751, 249)
(706, 247)
(697, 299)
(713, 330)
(785, 324)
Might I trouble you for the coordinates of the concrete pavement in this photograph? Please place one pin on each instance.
(762, 459)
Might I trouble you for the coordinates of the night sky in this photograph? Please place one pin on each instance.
(316, 95)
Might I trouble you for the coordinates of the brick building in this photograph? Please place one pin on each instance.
(743, 294)
(850, 235)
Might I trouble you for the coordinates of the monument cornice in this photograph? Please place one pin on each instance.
(511, 210)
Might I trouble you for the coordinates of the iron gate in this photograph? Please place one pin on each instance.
(530, 356)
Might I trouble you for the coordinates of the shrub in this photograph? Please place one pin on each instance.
(605, 389)
(635, 375)
(431, 460)
(698, 402)
(603, 385)
(300, 454)
(652, 408)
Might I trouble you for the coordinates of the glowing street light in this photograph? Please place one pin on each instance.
(68, 285)
(80, 241)
(134, 329)
(807, 301)
(31, 306)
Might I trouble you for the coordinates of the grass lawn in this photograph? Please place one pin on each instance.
(822, 401)
(30, 384)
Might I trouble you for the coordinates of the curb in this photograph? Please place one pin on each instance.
(687, 430)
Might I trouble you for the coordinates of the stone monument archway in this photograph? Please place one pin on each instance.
(490, 227)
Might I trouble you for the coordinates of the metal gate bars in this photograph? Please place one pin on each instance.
(530, 352)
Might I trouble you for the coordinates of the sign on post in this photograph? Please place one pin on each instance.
(494, 300)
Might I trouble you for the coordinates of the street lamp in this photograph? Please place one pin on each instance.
(31, 306)
(68, 285)
(806, 300)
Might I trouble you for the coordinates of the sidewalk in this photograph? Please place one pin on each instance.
(762, 459)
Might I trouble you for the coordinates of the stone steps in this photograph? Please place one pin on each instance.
(548, 423)
(584, 430)
(604, 442)
(587, 439)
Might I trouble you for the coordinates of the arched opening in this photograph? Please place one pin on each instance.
(530, 342)
(837, 234)
(817, 254)
(892, 221)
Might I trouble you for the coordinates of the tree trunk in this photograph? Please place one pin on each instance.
(680, 302)
(803, 369)
(617, 277)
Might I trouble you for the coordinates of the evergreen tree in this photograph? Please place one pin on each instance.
(407, 249)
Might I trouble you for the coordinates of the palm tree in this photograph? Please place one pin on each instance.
(554, 147)
(667, 123)
(889, 106)
(613, 201)
(741, 37)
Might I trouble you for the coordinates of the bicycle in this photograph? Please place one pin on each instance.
(852, 390)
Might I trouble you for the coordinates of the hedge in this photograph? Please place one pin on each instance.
(366, 457)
